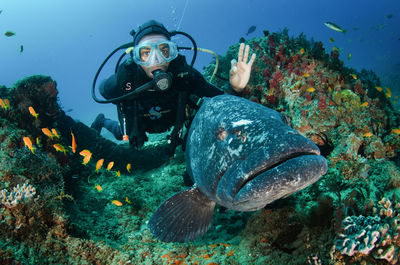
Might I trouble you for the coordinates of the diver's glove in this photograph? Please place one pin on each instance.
(240, 70)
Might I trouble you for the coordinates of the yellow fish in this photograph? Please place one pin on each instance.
(110, 165)
(388, 93)
(367, 134)
(311, 89)
(38, 142)
(334, 48)
(47, 132)
(117, 203)
(127, 200)
(349, 56)
(60, 148)
(128, 167)
(33, 112)
(55, 133)
(365, 104)
(396, 131)
(118, 173)
(301, 51)
(99, 164)
(98, 188)
(380, 89)
(306, 74)
(86, 156)
(28, 143)
(354, 76)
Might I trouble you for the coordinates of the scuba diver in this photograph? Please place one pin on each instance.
(154, 87)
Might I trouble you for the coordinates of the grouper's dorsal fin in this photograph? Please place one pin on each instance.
(182, 217)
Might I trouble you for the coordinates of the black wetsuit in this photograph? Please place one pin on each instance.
(155, 111)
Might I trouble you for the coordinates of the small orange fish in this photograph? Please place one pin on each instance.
(28, 143)
(99, 164)
(86, 156)
(396, 131)
(127, 200)
(118, 173)
(73, 143)
(331, 39)
(388, 93)
(311, 89)
(128, 167)
(3, 103)
(60, 148)
(47, 132)
(85, 152)
(367, 134)
(55, 133)
(365, 104)
(380, 89)
(110, 165)
(33, 112)
(301, 51)
(306, 74)
(117, 203)
(98, 188)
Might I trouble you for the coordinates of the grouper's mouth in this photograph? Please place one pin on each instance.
(269, 166)
(259, 173)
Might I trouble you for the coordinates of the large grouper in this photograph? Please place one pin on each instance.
(241, 155)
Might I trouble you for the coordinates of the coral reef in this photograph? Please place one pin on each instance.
(55, 210)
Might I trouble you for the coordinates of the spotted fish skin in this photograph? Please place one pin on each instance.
(241, 155)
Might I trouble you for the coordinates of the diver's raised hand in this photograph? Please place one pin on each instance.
(240, 70)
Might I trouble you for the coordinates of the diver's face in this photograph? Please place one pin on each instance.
(156, 62)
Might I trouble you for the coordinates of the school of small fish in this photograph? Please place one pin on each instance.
(58, 147)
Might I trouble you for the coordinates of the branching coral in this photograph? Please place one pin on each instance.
(378, 234)
(19, 194)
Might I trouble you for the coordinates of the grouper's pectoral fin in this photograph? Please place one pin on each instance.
(182, 217)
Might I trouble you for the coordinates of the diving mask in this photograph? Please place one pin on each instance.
(155, 53)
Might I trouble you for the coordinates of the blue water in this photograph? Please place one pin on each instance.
(68, 40)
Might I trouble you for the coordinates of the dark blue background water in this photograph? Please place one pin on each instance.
(68, 40)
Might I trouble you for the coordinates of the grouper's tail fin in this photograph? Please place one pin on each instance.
(182, 217)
